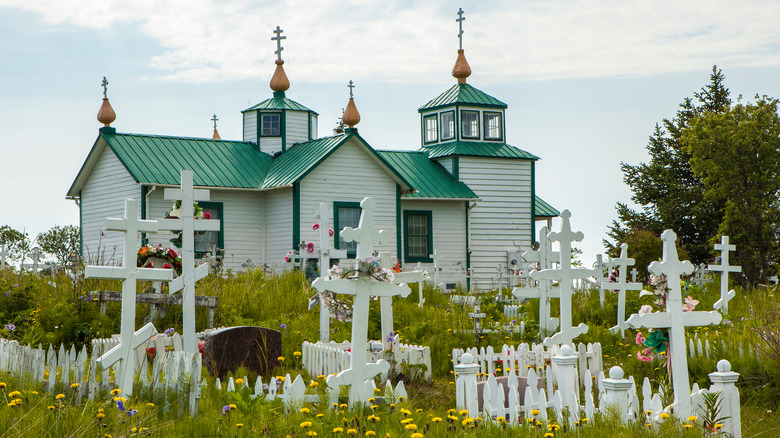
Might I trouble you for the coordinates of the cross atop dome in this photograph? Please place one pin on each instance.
(106, 114)
(461, 70)
(460, 21)
(278, 38)
(351, 116)
(279, 81)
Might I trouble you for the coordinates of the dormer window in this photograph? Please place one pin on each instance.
(431, 128)
(270, 124)
(469, 124)
(493, 129)
(448, 125)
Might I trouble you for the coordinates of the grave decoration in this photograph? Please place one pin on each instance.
(129, 273)
(668, 327)
(544, 258)
(724, 247)
(183, 221)
(565, 274)
(367, 280)
(620, 286)
(167, 258)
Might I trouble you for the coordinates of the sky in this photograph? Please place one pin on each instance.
(585, 81)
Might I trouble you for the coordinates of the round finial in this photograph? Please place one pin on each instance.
(106, 114)
(279, 81)
(616, 373)
(565, 350)
(351, 116)
(467, 359)
(723, 366)
(215, 136)
(461, 70)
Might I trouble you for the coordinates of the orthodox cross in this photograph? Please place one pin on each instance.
(215, 119)
(435, 257)
(544, 257)
(187, 224)
(599, 266)
(724, 268)
(104, 84)
(129, 273)
(386, 303)
(278, 38)
(565, 274)
(460, 20)
(478, 316)
(3, 255)
(35, 256)
(633, 275)
(325, 254)
(351, 86)
(621, 286)
(675, 320)
(360, 373)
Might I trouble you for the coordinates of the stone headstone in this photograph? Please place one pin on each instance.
(255, 348)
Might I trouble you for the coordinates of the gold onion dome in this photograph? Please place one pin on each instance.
(279, 81)
(106, 114)
(351, 116)
(461, 70)
(216, 136)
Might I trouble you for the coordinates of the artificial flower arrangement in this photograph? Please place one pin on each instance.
(148, 252)
(657, 340)
(367, 269)
(175, 213)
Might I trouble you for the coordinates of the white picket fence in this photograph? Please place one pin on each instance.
(515, 359)
(332, 358)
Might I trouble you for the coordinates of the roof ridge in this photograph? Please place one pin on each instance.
(180, 137)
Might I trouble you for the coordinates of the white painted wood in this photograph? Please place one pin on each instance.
(621, 286)
(250, 126)
(544, 257)
(724, 247)
(278, 212)
(297, 127)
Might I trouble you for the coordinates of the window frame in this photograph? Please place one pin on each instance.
(219, 206)
(429, 216)
(260, 124)
(462, 121)
(337, 227)
(441, 125)
(485, 115)
(435, 118)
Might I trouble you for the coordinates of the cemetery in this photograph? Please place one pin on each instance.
(372, 320)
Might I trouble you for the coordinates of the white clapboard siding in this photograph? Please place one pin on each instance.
(104, 196)
(270, 145)
(502, 218)
(241, 222)
(349, 175)
(449, 237)
(446, 162)
(297, 127)
(250, 126)
(278, 225)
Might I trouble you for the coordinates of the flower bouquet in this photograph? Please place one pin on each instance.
(148, 254)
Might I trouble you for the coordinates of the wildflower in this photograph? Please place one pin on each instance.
(463, 412)
(373, 418)
(74, 385)
(10, 327)
(410, 426)
(122, 399)
(371, 400)
(549, 435)
(418, 410)
(305, 410)
(225, 409)
(59, 396)
(377, 390)
(305, 424)
(99, 415)
(417, 435)
(338, 430)
(239, 381)
(687, 426)
(134, 430)
(343, 406)
(232, 406)
(648, 412)
(585, 420)
(407, 421)
(466, 421)
(280, 358)
(535, 412)
(239, 425)
(3, 385)
(313, 385)
(451, 411)
(115, 391)
(51, 407)
(120, 405)
(436, 419)
(663, 416)
(311, 433)
(315, 227)
(370, 433)
(406, 411)
(351, 432)
(320, 415)
(692, 418)
(150, 405)
(297, 354)
(718, 426)
(13, 394)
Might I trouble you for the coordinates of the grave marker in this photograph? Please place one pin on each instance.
(599, 267)
(544, 291)
(621, 286)
(325, 254)
(675, 320)
(566, 275)
(3, 255)
(724, 268)
(188, 195)
(129, 273)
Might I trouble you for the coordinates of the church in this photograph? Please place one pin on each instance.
(465, 194)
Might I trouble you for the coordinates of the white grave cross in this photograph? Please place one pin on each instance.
(386, 303)
(724, 268)
(544, 257)
(129, 273)
(188, 195)
(363, 288)
(599, 266)
(621, 286)
(675, 320)
(3, 255)
(566, 275)
(325, 254)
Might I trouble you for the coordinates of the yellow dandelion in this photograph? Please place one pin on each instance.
(115, 391)
(150, 405)
(407, 421)
(101, 416)
(377, 390)
(718, 426)
(311, 433)
(232, 406)
(466, 421)
(305, 410)
(371, 400)
(338, 430)
(535, 412)
(59, 396)
(134, 430)
(3, 385)
(122, 399)
(239, 425)
(417, 435)
(239, 382)
(305, 424)
(374, 407)
(648, 412)
(74, 385)
(451, 411)
(410, 426)
(549, 435)
(692, 418)
(297, 354)
(320, 415)
(418, 410)
(436, 420)
(280, 358)
(351, 431)
(687, 426)
(463, 412)
(13, 394)
(321, 376)
(370, 433)
(343, 406)
(663, 416)
(313, 385)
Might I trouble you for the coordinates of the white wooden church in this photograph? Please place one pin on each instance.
(465, 193)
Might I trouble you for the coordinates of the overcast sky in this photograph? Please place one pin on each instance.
(585, 81)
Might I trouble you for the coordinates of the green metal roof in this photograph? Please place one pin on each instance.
(477, 149)
(278, 102)
(544, 209)
(429, 178)
(463, 94)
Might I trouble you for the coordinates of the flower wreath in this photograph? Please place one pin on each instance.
(148, 252)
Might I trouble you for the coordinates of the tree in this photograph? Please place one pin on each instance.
(736, 154)
(666, 188)
(17, 243)
(61, 242)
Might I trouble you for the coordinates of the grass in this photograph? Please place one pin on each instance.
(45, 314)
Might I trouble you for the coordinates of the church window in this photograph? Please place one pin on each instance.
(493, 129)
(418, 236)
(270, 124)
(207, 241)
(469, 124)
(431, 128)
(448, 125)
(345, 214)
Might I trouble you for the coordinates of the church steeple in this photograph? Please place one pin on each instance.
(215, 135)
(279, 81)
(106, 114)
(351, 116)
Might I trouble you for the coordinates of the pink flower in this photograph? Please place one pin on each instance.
(639, 338)
(330, 232)
(689, 304)
(206, 215)
(315, 227)
(310, 247)
(286, 259)
(644, 355)
(645, 309)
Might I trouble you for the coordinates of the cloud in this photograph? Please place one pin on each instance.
(330, 40)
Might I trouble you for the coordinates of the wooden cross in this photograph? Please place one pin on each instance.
(621, 286)
(325, 254)
(215, 119)
(478, 316)
(724, 268)
(599, 266)
(3, 255)
(386, 303)
(187, 224)
(278, 38)
(675, 320)
(460, 21)
(633, 275)
(363, 288)
(435, 257)
(104, 84)
(129, 273)
(566, 275)
(351, 86)
(35, 256)
(544, 257)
